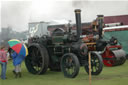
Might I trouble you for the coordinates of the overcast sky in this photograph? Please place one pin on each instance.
(17, 14)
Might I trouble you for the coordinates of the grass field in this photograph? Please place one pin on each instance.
(110, 76)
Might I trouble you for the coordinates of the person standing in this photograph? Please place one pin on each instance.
(3, 62)
(17, 60)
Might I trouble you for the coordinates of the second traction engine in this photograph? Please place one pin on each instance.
(110, 50)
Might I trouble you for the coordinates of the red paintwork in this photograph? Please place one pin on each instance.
(119, 18)
(109, 54)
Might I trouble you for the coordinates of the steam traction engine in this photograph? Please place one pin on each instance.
(62, 51)
(110, 50)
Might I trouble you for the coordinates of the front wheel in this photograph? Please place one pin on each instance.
(70, 65)
(96, 64)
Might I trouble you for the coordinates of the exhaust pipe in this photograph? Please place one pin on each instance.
(100, 19)
(78, 22)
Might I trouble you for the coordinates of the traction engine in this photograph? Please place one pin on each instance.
(63, 51)
(110, 50)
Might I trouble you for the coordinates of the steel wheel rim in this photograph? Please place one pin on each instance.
(35, 59)
(95, 63)
(69, 65)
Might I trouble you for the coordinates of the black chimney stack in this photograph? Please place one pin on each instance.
(100, 19)
(78, 22)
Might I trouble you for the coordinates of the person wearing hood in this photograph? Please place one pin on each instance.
(17, 60)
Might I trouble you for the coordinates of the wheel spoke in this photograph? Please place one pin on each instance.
(96, 64)
(35, 59)
(70, 65)
(36, 62)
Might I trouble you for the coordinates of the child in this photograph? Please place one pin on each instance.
(3, 62)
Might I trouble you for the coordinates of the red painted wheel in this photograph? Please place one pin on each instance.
(107, 61)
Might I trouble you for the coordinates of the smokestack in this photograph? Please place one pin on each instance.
(78, 22)
(100, 19)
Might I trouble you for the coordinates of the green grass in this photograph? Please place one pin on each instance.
(110, 76)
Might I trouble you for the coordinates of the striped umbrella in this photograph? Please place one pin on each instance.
(18, 47)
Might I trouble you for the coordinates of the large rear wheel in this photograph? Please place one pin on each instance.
(70, 65)
(37, 61)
